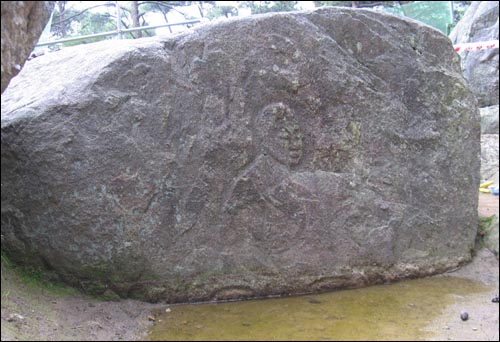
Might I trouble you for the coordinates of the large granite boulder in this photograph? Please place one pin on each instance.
(479, 24)
(275, 154)
(22, 25)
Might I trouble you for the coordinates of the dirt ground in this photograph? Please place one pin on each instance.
(63, 314)
(482, 324)
(31, 312)
(488, 204)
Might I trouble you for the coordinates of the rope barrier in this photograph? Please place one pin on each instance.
(491, 44)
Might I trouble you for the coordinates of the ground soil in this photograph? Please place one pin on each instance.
(57, 315)
(30, 312)
(488, 204)
(482, 324)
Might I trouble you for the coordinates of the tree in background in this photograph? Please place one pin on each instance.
(165, 7)
(131, 16)
(69, 22)
(134, 13)
(359, 4)
(269, 6)
(201, 4)
(219, 11)
(459, 8)
(61, 6)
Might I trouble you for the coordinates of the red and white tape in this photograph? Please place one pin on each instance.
(491, 44)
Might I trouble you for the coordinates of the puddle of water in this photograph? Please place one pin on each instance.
(387, 312)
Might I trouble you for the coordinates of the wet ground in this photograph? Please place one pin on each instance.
(422, 309)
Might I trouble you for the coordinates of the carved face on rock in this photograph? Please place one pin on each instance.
(281, 134)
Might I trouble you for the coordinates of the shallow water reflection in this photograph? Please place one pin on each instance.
(387, 312)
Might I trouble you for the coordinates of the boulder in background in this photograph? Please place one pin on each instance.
(489, 119)
(22, 25)
(479, 24)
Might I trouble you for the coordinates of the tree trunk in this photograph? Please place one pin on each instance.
(135, 18)
(61, 6)
(164, 16)
(199, 4)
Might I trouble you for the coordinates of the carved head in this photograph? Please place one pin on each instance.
(280, 134)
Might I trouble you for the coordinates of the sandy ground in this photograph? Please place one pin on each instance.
(482, 324)
(33, 313)
(488, 204)
(48, 315)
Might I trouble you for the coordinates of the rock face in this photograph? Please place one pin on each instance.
(489, 229)
(480, 23)
(22, 24)
(489, 119)
(489, 157)
(275, 154)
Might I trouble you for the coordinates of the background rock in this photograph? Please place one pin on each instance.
(491, 238)
(480, 23)
(489, 157)
(488, 228)
(22, 25)
(489, 120)
(275, 154)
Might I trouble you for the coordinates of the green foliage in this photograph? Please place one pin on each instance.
(6, 261)
(35, 277)
(96, 22)
(360, 4)
(74, 23)
(91, 23)
(459, 8)
(108, 296)
(71, 21)
(163, 6)
(269, 6)
(484, 224)
(487, 233)
(219, 11)
(332, 3)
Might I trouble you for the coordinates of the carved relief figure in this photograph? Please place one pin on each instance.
(262, 201)
(279, 131)
(276, 206)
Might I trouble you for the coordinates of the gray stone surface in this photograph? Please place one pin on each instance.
(489, 157)
(22, 24)
(489, 119)
(276, 154)
(491, 235)
(479, 24)
(488, 230)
